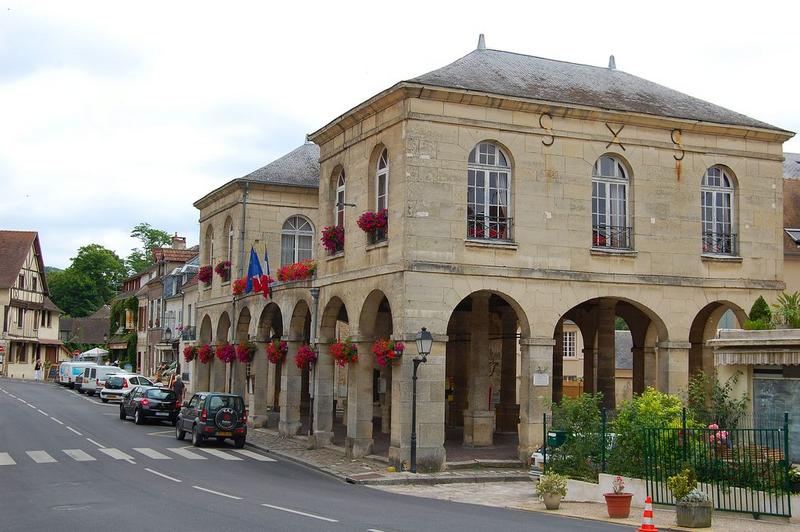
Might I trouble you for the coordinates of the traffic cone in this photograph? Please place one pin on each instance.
(647, 517)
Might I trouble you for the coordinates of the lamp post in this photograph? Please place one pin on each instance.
(424, 342)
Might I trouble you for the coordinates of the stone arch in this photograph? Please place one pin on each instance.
(223, 328)
(334, 311)
(703, 328)
(270, 323)
(370, 325)
(453, 300)
(299, 322)
(205, 333)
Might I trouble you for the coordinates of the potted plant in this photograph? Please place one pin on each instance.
(246, 351)
(333, 238)
(386, 351)
(344, 352)
(618, 503)
(204, 275)
(305, 356)
(551, 488)
(374, 224)
(693, 508)
(276, 350)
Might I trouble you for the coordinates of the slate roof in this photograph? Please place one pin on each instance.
(84, 330)
(299, 167)
(14, 247)
(791, 165)
(537, 78)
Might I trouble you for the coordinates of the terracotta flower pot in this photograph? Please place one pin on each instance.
(618, 504)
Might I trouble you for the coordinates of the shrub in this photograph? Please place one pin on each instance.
(713, 403)
(787, 311)
(552, 484)
(760, 310)
(579, 418)
(682, 484)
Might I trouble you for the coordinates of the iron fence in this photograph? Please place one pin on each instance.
(611, 236)
(490, 227)
(719, 243)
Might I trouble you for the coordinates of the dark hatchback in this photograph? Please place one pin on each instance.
(213, 415)
(149, 402)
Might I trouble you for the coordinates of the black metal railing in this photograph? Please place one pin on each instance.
(719, 243)
(188, 333)
(490, 227)
(611, 237)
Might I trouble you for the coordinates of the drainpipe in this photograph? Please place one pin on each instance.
(313, 341)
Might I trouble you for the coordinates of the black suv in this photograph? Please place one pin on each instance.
(213, 415)
(149, 402)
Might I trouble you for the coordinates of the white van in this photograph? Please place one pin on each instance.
(76, 373)
(94, 378)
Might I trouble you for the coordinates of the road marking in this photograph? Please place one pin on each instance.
(94, 442)
(12, 395)
(281, 508)
(75, 431)
(32, 406)
(153, 471)
(5, 459)
(21, 400)
(254, 456)
(79, 455)
(116, 454)
(220, 454)
(186, 453)
(374, 530)
(57, 420)
(151, 453)
(42, 412)
(217, 493)
(40, 457)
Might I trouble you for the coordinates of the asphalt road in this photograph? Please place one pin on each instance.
(67, 462)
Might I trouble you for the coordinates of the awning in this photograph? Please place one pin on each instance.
(46, 341)
(756, 358)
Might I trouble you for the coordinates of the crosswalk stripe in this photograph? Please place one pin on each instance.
(79, 455)
(220, 454)
(151, 453)
(186, 453)
(254, 456)
(41, 457)
(116, 454)
(5, 459)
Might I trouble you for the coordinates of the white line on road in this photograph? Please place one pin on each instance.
(57, 420)
(151, 453)
(79, 455)
(42, 412)
(5, 459)
(220, 454)
(254, 456)
(12, 395)
(40, 457)
(116, 454)
(217, 493)
(32, 406)
(75, 431)
(186, 453)
(374, 530)
(153, 471)
(21, 400)
(281, 508)
(95, 443)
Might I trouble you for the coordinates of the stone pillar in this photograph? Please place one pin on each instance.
(323, 398)
(291, 382)
(238, 382)
(638, 369)
(430, 407)
(359, 403)
(258, 399)
(673, 366)
(650, 367)
(535, 392)
(606, 356)
(200, 377)
(479, 417)
(589, 355)
(508, 410)
(218, 374)
(558, 362)
(386, 402)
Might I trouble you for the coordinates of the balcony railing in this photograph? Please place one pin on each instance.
(611, 237)
(490, 227)
(719, 243)
(188, 333)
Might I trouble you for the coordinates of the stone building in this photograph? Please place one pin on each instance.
(521, 192)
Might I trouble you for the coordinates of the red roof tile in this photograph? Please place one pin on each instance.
(14, 247)
(173, 255)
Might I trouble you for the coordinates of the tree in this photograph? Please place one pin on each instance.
(89, 282)
(142, 258)
(760, 315)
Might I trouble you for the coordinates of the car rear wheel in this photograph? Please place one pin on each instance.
(138, 418)
(90, 393)
(238, 443)
(197, 439)
(81, 390)
(179, 434)
(104, 399)
(122, 414)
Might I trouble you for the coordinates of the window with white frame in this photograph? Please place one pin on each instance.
(209, 245)
(297, 238)
(338, 208)
(488, 193)
(610, 204)
(569, 344)
(717, 207)
(382, 182)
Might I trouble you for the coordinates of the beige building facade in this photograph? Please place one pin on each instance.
(522, 193)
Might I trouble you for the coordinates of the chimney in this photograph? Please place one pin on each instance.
(481, 42)
(178, 242)
(612, 63)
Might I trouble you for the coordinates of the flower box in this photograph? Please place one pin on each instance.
(204, 275)
(239, 286)
(223, 269)
(375, 224)
(344, 352)
(333, 239)
(276, 351)
(385, 351)
(298, 271)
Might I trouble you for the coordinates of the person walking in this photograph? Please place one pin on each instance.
(37, 370)
(179, 388)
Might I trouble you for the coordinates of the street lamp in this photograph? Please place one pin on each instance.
(424, 341)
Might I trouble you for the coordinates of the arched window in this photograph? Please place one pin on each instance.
(488, 193)
(228, 235)
(717, 209)
(610, 227)
(382, 182)
(338, 208)
(297, 238)
(208, 246)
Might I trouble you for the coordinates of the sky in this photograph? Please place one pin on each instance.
(115, 113)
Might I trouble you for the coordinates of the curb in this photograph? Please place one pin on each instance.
(298, 461)
(431, 481)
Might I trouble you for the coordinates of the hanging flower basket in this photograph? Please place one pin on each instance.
(386, 352)
(276, 351)
(189, 353)
(239, 286)
(204, 275)
(344, 352)
(223, 269)
(374, 224)
(205, 353)
(245, 352)
(333, 238)
(304, 357)
(298, 271)
(226, 353)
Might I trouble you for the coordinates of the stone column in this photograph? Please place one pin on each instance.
(534, 393)
(638, 369)
(673, 366)
(430, 407)
(258, 399)
(291, 382)
(238, 378)
(650, 367)
(606, 356)
(218, 373)
(588, 367)
(558, 362)
(359, 403)
(479, 418)
(323, 398)
(386, 402)
(508, 410)
(200, 377)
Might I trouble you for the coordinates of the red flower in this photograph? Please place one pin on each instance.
(333, 238)
(344, 352)
(189, 353)
(304, 356)
(239, 286)
(205, 274)
(276, 351)
(373, 221)
(223, 269)
(386, 351)
(226, 353)
(297, 271)
(245, 352)
(205, 353)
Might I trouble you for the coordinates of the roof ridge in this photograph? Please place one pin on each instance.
(553, 60)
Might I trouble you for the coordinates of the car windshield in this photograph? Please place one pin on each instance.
(161, 395)
(114, 381)
(215, 402)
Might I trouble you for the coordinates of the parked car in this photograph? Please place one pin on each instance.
(213, 415)
(75, 374)
(149, 402)
(96, 378)
(119, 384)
